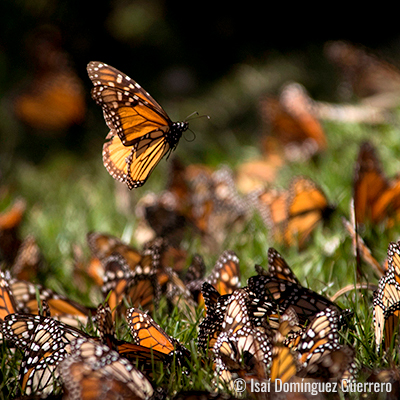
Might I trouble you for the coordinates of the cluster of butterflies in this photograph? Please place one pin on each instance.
(51, 330)
(274, 328)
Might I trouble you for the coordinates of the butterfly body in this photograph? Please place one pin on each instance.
(141, 132)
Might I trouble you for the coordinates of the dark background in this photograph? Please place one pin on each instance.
(174, 49)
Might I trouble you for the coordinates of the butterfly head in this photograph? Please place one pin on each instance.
(175, 133)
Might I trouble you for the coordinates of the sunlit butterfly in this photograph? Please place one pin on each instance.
(376, 199)
(225, 276)
(44, 343)
(142, 356)
(293, 214)
(94, 371)
(61, 307)
(123, 286)
(146, 332)
(141, 131)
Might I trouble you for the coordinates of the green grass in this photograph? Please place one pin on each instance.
(69, 195)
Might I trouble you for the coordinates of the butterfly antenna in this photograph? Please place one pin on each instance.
(196, 114)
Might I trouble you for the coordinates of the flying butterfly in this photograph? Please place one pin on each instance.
(141, 132)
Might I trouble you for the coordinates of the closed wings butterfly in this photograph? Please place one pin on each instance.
(141, 131)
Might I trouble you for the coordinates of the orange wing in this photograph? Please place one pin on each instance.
(369, 185)
(307, 206)
(141, 133)
(7, 302)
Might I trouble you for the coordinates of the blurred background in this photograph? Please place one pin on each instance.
(218, 61)
(199, 58)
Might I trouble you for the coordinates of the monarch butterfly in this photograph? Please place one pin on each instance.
(7, 302)
(61, 307)
(95, 371)
(375, 198)
(60, 93)
(143, 356)
(210, 327)
(386, 299)
(55, 87)
(146, 332)
(284, 365)
(273, 294)
(239, 345)
(319, 351)
(293, 214)
(365, 74)
(141, 133)
(245, 351)
(29, 259)
(122, 284)
(278, 267)
(44, 342)
(225, 276)
(10, 240)
(293, 123)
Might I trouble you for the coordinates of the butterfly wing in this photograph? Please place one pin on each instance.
(128, 109)
(369, 183)
(141, 132)
(133, 165)
(95, 371)
(307, 206)
(7, 302)
(45, 343)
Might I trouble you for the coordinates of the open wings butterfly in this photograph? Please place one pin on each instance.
(141, 131)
